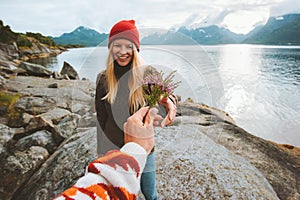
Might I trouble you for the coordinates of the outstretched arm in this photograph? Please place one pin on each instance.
(117, 174)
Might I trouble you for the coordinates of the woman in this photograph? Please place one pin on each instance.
(118, 96)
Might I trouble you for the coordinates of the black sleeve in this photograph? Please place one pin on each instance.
(99, 102)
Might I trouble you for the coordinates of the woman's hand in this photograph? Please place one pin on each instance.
(171, 109)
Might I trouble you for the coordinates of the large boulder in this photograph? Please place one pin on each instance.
(66, 127)
(35, 105)
(18, 167)
(67, 69)
(8, 52)
(192, 166)
(280, 166)
(35, 69)
(62, 169)
(41, 138)
(66, 93)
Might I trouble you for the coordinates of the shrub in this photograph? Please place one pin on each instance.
(22, 41)
(6, 34)
(41, 38)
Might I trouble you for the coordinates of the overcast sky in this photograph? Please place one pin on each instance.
(55, 17)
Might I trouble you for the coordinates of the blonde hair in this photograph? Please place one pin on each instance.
(136, 95)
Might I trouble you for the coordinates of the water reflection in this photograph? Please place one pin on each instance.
(239, 72)
(261, 86)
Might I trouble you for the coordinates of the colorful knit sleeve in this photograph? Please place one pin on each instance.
(114, 176)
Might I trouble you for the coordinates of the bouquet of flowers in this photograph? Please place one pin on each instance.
(156, 87)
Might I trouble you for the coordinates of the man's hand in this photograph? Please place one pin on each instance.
(141, 132)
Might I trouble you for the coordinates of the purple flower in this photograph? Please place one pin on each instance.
(155, 87)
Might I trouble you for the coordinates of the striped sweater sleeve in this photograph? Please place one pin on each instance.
(113, 176)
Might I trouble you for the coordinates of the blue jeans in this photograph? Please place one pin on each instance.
(148, 183)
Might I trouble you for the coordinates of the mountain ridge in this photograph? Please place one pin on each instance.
(81, 36)
(280, 30)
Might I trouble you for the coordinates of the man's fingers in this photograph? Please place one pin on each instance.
(152, 113)
(151, 116)
(140, 114)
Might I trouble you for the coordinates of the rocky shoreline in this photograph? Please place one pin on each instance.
(48, 135)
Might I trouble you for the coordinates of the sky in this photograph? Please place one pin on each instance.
(55, 17)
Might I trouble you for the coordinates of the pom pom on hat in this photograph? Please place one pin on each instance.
(125, 29)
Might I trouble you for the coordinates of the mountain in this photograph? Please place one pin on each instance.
(213, 35)
(168, 38)
(281, 30)
(81, 36)
(206, 35)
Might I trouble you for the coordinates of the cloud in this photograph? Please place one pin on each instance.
(56, 17)
(285, 7)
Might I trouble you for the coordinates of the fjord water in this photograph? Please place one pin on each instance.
(259, 86)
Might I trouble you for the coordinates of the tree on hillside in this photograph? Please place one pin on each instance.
(6, 34)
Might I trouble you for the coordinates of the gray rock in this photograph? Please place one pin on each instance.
(279, 166)
(56, 75)
(79, 108)
(35, 69)
(46, 120)
(88, 120)
(18, 168)
(2, 82)
(70, 71)
(6, 135)
(8, 52)
(192, 166)
(66, 127)
(63, 167)
(5, 68)
(37, 49)
(65, 94)
(68, 91)
(38, 123)
(55, 115)
(40, 138)
(35, 105)
(20, 71)
(53, 85)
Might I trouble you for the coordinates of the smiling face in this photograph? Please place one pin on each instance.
(122, 51)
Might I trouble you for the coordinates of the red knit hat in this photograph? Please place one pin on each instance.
(125, 29)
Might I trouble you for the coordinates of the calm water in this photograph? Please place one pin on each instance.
(259, 86)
